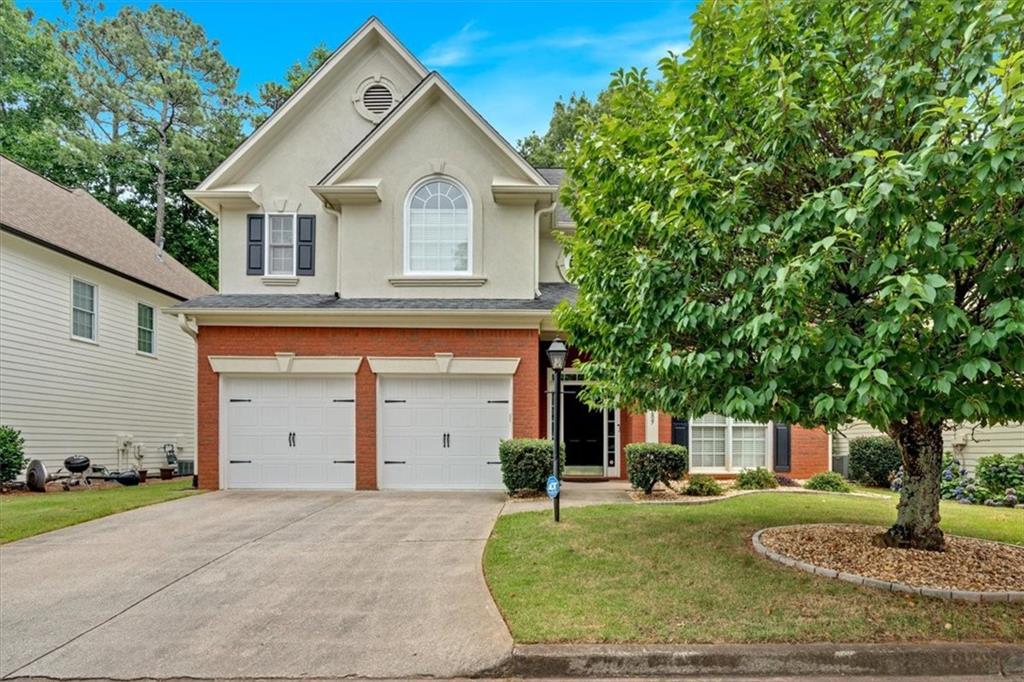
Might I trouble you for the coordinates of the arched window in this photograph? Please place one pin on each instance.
(438, 229)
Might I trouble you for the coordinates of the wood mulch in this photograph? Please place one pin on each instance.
(967, 564)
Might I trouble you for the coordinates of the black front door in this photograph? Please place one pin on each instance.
(584, 432)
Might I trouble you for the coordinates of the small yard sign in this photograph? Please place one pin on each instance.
(553, 486)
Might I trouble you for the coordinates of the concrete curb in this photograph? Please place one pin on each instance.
(712, 660)
(884, 585)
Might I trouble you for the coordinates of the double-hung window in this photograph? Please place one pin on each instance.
(438, 229)
(721, 443)
(281, 244)
(84, 309)
(146, 329)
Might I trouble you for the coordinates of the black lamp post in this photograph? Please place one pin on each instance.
(557, 352)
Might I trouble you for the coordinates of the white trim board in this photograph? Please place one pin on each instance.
(443, 363)
(285, 363)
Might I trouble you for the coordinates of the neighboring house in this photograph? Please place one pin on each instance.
(388, 268)
(87, 360)
(966, 441)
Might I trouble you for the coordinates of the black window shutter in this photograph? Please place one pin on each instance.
(254, 245)
(305, 242)
(780, 433)
(680, 432)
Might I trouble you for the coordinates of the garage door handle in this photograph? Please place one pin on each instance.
(498, 462)
(394, 401)
(240, 400)
(344, 461)
(240, 461)
(344, 400)
(497, 402)
(394, 461)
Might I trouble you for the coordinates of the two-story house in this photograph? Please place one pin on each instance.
(388, 268)
(88, 364)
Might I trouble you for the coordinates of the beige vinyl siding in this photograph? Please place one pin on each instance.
(69, 396)
(1007, 439)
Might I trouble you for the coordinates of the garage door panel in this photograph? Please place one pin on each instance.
(274, 388)
(473, 411)
(258, 432)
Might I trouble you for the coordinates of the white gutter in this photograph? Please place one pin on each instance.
(536, 249)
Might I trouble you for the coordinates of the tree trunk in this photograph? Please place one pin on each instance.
(161, 190)
(917, 517)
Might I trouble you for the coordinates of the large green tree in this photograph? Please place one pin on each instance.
(815, 215)
(36, 103)
(273, 94)
(546, 150)
(162, 109)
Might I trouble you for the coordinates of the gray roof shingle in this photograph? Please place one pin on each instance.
(550, 296)
(556, 176)
(73, 222)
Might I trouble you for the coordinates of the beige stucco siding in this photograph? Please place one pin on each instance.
(550, 256)
(976, 443)
(297, 154)
(74, 397)
(438, 139)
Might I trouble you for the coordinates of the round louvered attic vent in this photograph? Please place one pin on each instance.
(375, 98)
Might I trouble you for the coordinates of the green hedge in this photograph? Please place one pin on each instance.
(648, 463)
(526, 463)
(702, 485)
(12, 453)
(756, 479)
(829, 481)
(873, 460)
(1001, 472)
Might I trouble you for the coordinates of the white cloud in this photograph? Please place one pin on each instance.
(456, 49)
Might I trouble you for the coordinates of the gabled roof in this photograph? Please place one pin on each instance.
(434, 82)
(373, 26)
(72, 222)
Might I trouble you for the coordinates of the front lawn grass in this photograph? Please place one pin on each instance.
(678, 573)
(23, 516)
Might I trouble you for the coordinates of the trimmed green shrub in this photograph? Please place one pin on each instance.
(999, 473)
(526, 463)
(648, 463)
(756, 479)
(702, 485)
(830, 481)
(873, 460)
(12, 453)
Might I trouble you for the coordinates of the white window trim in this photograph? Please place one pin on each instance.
(728, 468)
(152, 353)
(95, 312)
(267, 236)
(406, 270)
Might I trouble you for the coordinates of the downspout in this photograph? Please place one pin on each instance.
(188, 325)
(337, 254)
(536, 249)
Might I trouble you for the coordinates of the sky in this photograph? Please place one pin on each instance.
(511, 60)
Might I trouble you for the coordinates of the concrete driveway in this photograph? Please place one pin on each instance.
(258, 584)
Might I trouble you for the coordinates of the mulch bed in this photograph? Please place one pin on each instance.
(967, 564)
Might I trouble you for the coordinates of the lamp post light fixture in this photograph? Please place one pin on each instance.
(557, 353)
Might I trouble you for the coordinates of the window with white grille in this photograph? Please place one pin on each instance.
(438, 229)
(281, 245)
(83, 310)
(718, 442)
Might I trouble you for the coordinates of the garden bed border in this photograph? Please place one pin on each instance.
(885, 585)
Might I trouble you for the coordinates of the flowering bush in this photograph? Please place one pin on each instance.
(956, 483)
(1000, 472)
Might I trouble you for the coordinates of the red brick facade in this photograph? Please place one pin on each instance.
(305, 341)
(809, 447)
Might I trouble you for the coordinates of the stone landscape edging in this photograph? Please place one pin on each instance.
(885, 585)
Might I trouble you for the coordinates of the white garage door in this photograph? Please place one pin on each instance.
(290, 432)
(443, 432)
